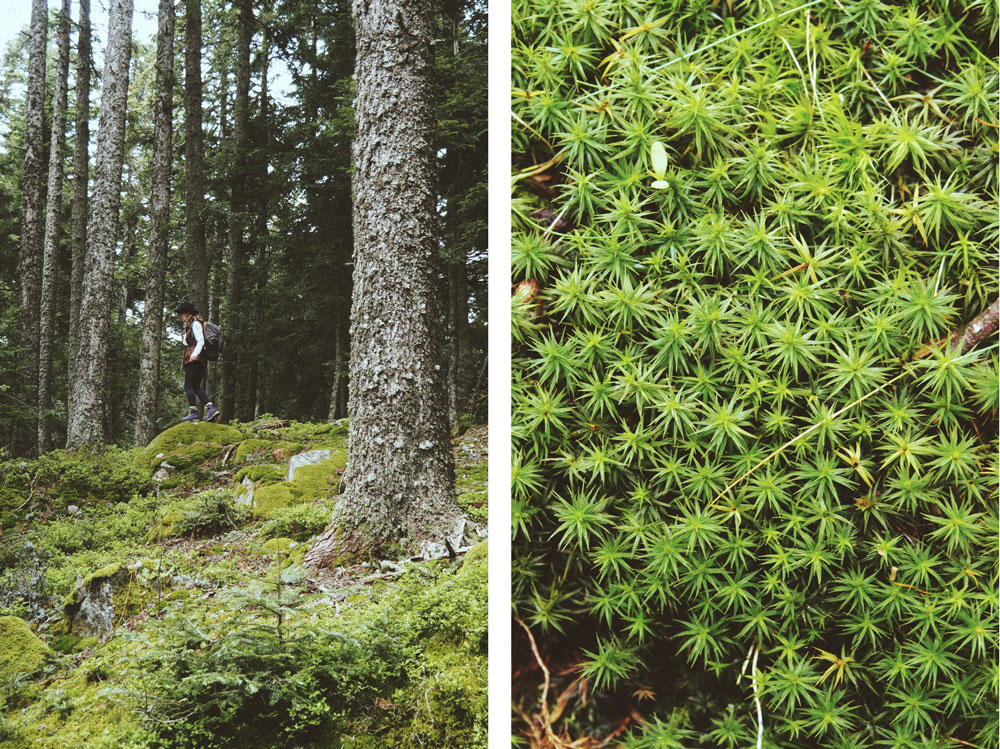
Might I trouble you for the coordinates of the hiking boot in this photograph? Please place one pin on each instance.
(191, 416)
(210, 412)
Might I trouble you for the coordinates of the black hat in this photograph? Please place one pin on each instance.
(186, 308)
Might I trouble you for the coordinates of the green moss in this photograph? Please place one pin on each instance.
(65, 643)
(276, 450)
(279, 545)
(477, 554)
(268, 499)
(187, 445)
(261, 474)
(109, 570)
(74, 713)
(21, 652)
(319, 481)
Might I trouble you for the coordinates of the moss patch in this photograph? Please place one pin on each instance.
(279, 545)
(319, 481)
(187, 445)
(21, 652)
(75, 713)
(279, 451)
(478, 553)
(260, 474)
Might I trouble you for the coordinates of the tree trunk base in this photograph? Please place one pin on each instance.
(342, 547)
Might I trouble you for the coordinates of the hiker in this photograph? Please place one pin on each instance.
(194, 363)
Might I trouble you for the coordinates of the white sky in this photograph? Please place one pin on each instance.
(16, 15)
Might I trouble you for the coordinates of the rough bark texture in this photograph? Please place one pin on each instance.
(456, 317)
(81, 174)
(194, 160)
(237, 215)
(90, 365)
(33, 201)
(51, 253)
(400, 472)
(152, 325)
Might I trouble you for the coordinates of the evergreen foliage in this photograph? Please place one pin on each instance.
(741, 233)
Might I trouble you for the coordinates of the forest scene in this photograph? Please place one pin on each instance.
(755, 382)
(243, 451)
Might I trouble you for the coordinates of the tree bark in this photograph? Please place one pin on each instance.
(33, 203)
(51, 252)
(237, 217)
(333, 412)
(456, 316)
(194, 160)
(152, 324)
(400, 474)
(81, 172)
(90, 365)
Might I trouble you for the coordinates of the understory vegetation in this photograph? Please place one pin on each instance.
(755, 474)
(167, 609)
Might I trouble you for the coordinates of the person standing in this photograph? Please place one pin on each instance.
(194, 363)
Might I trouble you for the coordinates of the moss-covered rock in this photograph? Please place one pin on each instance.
(478, 553)
(278, 451)
(279, 545)
(261, 475)
(191, 444)
(319, 481)
(21, 652)
(105, 598)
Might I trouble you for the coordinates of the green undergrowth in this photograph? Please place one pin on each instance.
(215, 620)
(742, 442)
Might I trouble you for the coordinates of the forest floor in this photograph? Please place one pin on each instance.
(168, 606)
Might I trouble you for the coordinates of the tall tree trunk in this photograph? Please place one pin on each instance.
(400, 470)
(194, 160)
(33, 202)
(81, 172)
(456, 317)
(51, 254)
(260, 233)
(90, 365)
(152, 324)
(237, 215)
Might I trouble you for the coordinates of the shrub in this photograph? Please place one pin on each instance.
(736, 429)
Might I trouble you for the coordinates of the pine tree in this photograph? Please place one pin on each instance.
(90, 364)
(46, 339)
(400, 472)
(149, 363)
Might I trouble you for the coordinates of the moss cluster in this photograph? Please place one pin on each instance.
(188, 445)
(319, 481)
(275, 450)
(21, 652)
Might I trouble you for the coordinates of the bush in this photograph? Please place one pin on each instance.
(62, 477)
(299, 522)
(266, 672)
(736, 426)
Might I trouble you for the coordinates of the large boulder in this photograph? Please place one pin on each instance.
(190, 444)
(21, 652)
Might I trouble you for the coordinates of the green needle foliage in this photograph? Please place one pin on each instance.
(736, 421)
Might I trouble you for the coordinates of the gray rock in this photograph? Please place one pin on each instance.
(244, 495)
(89, 611)
(164, 472)
(309, 458)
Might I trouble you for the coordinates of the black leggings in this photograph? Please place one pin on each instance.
(193, 374)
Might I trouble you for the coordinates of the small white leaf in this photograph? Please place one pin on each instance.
(658, 155)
